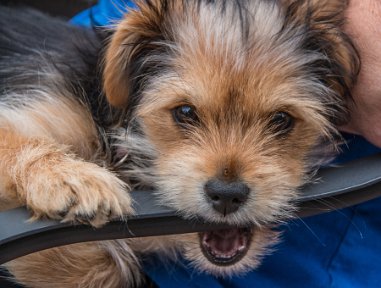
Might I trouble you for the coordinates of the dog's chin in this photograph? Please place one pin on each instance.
(225, 247)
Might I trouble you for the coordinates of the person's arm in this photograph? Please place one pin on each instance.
(364, 27)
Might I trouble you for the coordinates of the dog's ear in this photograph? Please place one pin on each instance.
(323, 21)
(136, 37)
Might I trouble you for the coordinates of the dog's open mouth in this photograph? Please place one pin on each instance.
(226, 246)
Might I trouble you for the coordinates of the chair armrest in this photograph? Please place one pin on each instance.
(335, 188)
(342, 186)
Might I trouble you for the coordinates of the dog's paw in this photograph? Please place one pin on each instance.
(76, 191)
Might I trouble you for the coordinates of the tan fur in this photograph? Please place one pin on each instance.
(135, 28)
(38, 159)
(326, 17)
(235, 87)
(236, 80)
(81, 265)
(132, 30)
(41, 159)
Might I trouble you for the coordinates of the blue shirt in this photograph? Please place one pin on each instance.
(337, 249)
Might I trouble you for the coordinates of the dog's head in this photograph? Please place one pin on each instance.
(235, 96)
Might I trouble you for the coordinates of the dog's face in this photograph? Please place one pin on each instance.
(235, 96)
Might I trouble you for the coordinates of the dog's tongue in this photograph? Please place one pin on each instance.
(225, 242)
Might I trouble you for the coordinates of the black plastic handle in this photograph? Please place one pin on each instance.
(335, 188)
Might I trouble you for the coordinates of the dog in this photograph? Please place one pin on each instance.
(224, 107)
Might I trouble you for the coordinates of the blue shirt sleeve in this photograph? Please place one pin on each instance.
(104, 13)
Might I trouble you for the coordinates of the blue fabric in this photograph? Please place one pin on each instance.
(355, 147)
(337, 249)
(104, 13)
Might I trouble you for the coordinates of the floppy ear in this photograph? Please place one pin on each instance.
(324, 20)
(137, 36)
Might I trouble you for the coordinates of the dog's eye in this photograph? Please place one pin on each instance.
(185, 115)
(282, 122)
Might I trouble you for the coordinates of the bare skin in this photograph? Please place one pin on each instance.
(364, 27)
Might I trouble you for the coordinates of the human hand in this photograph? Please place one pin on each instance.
(364, 27)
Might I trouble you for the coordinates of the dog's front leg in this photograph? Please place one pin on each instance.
(107, 264)
(53, 183)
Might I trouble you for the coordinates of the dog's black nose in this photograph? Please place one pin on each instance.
(226, 197)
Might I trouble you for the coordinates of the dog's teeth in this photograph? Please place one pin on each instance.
(241, 248)
(224, 256)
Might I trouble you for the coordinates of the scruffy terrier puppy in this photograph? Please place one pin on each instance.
(219, 105)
